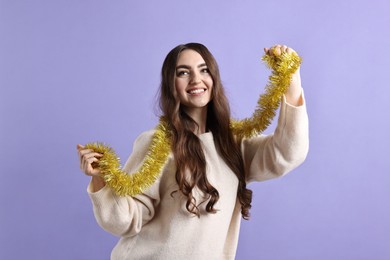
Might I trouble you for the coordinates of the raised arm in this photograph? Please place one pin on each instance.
(267, 157)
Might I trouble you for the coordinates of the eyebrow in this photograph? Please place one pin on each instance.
(189, 67)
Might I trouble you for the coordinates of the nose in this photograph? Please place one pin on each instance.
(195, 78)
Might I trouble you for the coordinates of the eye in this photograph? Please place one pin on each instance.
(205, 70)
(182, 73)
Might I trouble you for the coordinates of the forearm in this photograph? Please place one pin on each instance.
(291, 136)
(294, 92)
(121, 216)
(267, 157)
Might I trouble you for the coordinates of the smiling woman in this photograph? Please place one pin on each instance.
(193, 208)
(194, 86)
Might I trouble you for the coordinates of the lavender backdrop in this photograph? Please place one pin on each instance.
(78, 71)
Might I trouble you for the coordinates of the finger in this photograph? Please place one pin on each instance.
(87, 159)
(88, 153)
(92, 171)
(84, 166)
(92, 154)
(87, 167)
(84, 154)
(276, 51)
(91, 158)
(79, 148)
(283, 48)
(85, 151)
(86, 163)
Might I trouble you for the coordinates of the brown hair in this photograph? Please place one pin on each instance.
(186, 146)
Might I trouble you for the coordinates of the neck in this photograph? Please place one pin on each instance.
(199, 115)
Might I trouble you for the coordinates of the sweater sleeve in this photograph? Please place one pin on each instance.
(125, 216)
(271, 156)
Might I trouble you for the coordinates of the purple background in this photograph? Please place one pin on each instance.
(78, 71)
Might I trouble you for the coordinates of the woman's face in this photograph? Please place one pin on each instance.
(193, 81)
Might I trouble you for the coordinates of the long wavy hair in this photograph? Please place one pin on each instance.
(186, 146)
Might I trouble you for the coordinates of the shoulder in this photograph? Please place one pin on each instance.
(140, 148)
(144, 139)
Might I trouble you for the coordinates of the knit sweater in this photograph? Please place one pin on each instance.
(156, 223)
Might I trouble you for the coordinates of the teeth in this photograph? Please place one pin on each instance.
(196, 91)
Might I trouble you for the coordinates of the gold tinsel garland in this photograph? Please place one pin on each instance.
(283, 67)
(124, 184)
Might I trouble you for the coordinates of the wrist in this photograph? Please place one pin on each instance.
(97, 183)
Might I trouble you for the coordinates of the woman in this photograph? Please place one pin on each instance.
(193, 210)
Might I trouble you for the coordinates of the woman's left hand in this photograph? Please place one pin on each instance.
(294, 92)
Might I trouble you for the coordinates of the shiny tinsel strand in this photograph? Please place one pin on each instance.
(283, 67)
(132, 184)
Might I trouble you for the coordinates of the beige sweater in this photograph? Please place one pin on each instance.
(156, 224)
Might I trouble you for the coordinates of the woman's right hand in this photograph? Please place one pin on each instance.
(87, 158)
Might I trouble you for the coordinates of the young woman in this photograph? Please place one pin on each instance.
(194, 208)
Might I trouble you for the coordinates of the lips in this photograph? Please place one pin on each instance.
(196, 91)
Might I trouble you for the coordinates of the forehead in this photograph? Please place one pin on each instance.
(190, 57)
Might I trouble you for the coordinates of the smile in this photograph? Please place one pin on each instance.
(196, 91)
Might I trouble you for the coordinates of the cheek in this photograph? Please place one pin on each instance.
(210, 83)
(209, 80)
(178, 89)
(180, 85)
